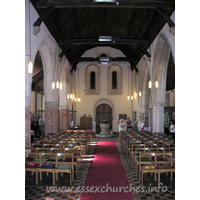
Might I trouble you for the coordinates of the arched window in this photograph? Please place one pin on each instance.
(92, 80)
(114, 80)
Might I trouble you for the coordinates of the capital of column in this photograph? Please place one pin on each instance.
(64, 107)
(51, 104)
(27, 101)
(158, 103)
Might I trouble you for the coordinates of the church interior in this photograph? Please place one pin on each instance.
(100, 99)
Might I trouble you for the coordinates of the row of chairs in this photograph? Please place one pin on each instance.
(50, 163)
(156, 163)
(42, 155)
(156, 155)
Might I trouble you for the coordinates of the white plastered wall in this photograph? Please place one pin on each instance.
(118, 103)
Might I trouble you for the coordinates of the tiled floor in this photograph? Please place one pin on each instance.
(64, 191)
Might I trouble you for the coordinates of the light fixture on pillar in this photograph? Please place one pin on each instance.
(30, 67)
(135, 94)
(156, 84)
(53, 85)
(131, 97)
(140, 94)
(57, 85)
(150, 84)
(60, 85)
(78, 98)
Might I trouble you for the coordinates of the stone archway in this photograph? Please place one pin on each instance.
(103, 111)
(161, 60)
(107, 102)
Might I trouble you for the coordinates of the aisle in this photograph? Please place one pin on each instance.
(106, 178)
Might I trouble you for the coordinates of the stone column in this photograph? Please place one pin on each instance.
(158, 117)
(27, 122)
(64, 117)
(51, 117)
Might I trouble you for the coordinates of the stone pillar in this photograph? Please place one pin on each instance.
(51, 117)
(64, 117)
(158, 117)
(27, 126)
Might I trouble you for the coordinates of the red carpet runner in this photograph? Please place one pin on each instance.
(106, 178)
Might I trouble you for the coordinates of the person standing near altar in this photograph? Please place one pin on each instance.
(128, 124)
(121, 125)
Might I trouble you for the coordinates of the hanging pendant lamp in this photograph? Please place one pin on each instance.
(156, 84)
(60, 85)
(57, 85)
(30, 67)
(53, 85)
(150, 84)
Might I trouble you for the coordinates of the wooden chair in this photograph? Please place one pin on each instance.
(136, 148)
(30, 166)
(66, 167)
(168, 167)
(172, 150)
(152, 168)
(47, 166)
(144, 159)
(77, 156)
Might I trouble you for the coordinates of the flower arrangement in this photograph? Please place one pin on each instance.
(105, 121)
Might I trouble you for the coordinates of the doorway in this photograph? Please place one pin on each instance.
(103, 111)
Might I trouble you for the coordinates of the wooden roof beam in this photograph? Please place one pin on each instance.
(97, 42)
(145, 4)
(36, 25)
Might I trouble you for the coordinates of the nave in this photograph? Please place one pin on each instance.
(40, 191)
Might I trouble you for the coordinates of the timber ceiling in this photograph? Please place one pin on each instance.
(77, 24)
